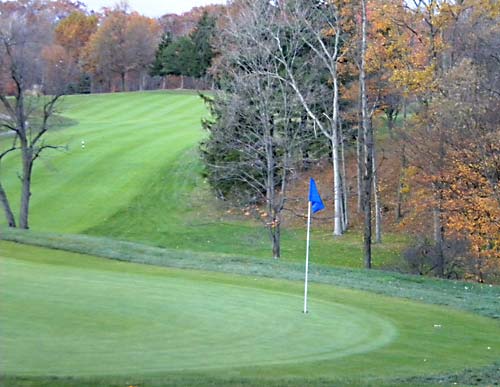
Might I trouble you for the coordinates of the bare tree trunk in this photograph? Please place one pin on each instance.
(122, 79)
(276, 235)
(391, 114)
(338, 228)
(345, 209)
(376, 197)
(439, 239)
(438, 209)
(402, 168)
(399, 196)
(25, 187)
(142, 81)
(9, 215)
(337, 190)
(360, 154)
(368, 148)
(182, 82)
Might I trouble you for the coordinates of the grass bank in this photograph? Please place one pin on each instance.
(477, 298)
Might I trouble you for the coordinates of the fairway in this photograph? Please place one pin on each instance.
(128, 137)
(67, 314)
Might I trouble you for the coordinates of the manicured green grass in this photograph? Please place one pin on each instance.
(127, 137)
(138, 178)
(482, 299)
(66, 314)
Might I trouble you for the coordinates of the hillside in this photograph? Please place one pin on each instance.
(138, 178)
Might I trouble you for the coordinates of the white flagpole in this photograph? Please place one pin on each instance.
(307, 254)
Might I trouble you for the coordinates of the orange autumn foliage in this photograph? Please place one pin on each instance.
(472, 201)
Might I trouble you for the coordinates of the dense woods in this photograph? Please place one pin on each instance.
(401, 98)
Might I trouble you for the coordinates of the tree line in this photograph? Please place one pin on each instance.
(300, 80)
(114, 50)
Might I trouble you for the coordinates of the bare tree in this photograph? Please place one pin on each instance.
(255, 138)
(9, 215)
(308, 43)
(368, 144)
(27, 112)
(308, 39)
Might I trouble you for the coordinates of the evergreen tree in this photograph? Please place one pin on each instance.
(202, 37)
(157, 68)
(179, 57)
(188, 55)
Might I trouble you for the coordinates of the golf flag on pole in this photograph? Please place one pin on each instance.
(314, 198)
(315, 204)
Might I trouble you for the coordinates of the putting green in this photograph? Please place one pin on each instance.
(72, 315)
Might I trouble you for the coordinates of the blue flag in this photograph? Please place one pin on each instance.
(314, 198)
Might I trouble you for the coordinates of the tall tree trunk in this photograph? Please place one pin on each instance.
(9, 215)
(344, 188)
(399, 196)
(376, 198)
(271, 190)
(276, 236)
(337, 189)
(368, 148)
(122, 79)
(142, 81)
(337, 177)
(402, 166)
(391, 115)
(439, 240)
(182, 82)
(438, 209)
(360, 154)
(26, 187)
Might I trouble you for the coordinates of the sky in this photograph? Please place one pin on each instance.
(153, 8)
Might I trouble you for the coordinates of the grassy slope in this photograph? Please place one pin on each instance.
(138, 179)
(153, 322)
(79, 188)
(180, 213)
